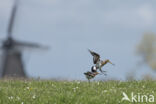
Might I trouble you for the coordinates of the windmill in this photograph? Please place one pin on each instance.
(11, 60)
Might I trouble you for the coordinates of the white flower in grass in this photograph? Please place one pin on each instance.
(53, 85)
(34, 96)
(22, 103)
(78, 82)
(11, 97)
(98, 83)
(27, 88)
(18, 98)
(75, 89)
(104, 91)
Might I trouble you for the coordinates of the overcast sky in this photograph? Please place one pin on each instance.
(111, 28)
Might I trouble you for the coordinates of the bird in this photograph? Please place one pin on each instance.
(99, 63)
(90, 75)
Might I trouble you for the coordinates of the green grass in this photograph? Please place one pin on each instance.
(74, 92)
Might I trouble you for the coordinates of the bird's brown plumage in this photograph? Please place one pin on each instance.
(105, 62)
(91, 75)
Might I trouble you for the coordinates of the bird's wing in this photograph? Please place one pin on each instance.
(89, 75)
(96, 56)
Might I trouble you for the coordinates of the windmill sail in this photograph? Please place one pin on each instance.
(12, 19)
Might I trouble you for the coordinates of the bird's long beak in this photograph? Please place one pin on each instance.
(111, 63)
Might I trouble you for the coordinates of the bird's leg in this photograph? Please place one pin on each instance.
(103, 72)
(100, 70)
(89, 81)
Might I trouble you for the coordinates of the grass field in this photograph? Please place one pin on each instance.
(71, 92)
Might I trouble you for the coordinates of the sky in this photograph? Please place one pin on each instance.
(112, 28)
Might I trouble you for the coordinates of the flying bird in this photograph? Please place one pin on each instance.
(99, 63)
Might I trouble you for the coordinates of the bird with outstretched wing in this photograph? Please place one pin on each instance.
(99, 63)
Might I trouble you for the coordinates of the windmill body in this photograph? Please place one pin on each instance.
(13, 65)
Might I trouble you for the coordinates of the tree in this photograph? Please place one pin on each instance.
(147, 49)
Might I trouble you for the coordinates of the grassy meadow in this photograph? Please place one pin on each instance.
(71, 92)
